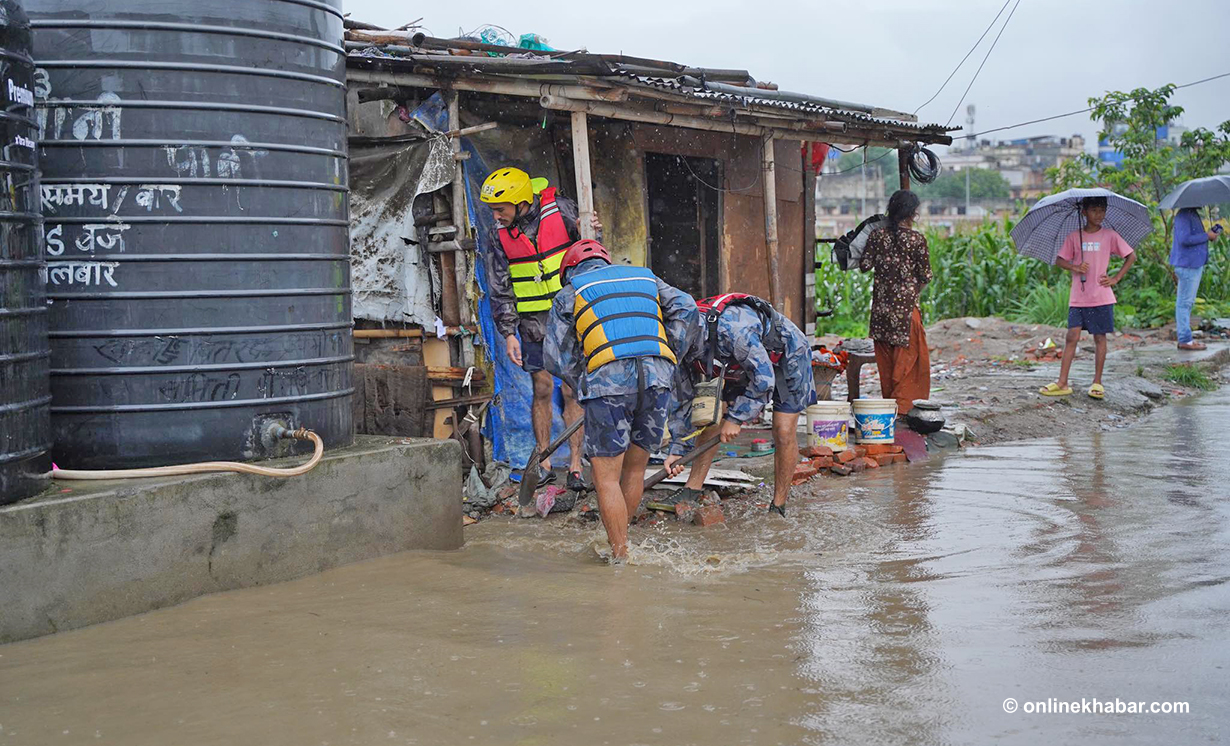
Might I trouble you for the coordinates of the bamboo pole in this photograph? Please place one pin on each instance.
(769, 179)
(903, 167)
(460, 260)
(585, 185)
(451, 331)
(632, 114)
(570, 97)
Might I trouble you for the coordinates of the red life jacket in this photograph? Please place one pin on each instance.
(534, 265)
(712, 308)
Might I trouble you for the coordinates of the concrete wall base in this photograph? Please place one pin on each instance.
(89, 552)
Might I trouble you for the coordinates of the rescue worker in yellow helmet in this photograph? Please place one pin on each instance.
(534, 227)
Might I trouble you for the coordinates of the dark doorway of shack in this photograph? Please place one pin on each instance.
(684, 208)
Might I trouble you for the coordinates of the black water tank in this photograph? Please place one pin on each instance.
(196, 217)
(25, 429)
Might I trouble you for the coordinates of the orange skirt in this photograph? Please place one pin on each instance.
(905, 372)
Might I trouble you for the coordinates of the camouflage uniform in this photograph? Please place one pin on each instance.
(740, 341)
(624, 400)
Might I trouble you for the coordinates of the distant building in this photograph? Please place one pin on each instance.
(840, 197)
(1171, 134)
(1023, 163)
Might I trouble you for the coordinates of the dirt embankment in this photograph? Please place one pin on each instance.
(986, 372)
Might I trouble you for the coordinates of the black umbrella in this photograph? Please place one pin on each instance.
(1213, 190)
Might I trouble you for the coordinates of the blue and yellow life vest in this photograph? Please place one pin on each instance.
(618, 316)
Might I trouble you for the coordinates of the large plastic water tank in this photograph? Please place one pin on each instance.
(195, 202)
(25, 430)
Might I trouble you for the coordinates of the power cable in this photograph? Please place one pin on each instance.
(1083, 111)
(966, 57)
(984, 61)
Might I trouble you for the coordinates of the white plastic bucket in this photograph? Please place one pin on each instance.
(828, 424)
(875, 420)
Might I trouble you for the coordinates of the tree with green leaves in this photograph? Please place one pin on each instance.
(1151, 167)
(984, 185)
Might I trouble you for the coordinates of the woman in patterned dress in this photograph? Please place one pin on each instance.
(899, 258)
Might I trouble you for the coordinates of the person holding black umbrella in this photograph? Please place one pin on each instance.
(1188, 255)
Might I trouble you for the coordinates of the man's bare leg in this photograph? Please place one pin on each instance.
(541, 411)
(785, 454)
(576, 444)
(703, 462)
(632, 479)
(612, 506)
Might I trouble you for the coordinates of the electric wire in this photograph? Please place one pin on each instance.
(966, 57)
(984, 62)
(1085, 110)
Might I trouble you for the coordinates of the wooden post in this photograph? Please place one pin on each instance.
(585, 185)
(460, 273)
(809, 238)
(903, 166)
(769, 178)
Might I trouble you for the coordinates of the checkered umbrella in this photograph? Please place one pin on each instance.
(1041, 233)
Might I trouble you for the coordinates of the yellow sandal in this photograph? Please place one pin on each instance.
(1097, 392)
(1052, 389)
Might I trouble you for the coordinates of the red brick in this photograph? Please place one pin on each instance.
(900, 458)
(822, 462)
(885, 459)
(869, 462)
(857, 465)
(816, 451)
(840, 470)
(879, 449)
(803, 472)
(708, 515)
(685, 511)
(860, 451)
(845, 457)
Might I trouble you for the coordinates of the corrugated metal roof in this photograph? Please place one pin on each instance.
(676, 86)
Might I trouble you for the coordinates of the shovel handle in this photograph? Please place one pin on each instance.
(661, 474)
(555, 444)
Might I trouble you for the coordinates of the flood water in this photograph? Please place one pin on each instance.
(900, 608)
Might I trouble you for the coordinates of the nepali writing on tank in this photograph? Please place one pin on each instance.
(82, 273)
(92, 236)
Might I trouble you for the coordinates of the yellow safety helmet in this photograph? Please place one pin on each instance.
(510, 185)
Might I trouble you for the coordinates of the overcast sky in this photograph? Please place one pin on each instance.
(1052, 57)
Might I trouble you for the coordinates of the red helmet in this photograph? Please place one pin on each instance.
(579, 252)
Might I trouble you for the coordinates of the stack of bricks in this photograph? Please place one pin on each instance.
(818, 459)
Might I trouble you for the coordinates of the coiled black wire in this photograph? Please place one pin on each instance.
(924, 166)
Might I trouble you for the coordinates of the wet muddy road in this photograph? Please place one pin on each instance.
(903, 609)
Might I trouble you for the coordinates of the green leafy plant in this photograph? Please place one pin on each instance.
(1043, 304)
(1190, 376)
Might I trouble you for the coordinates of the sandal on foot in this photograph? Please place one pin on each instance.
(1192, 346)
(1097, 392)
(779, 509)
(1052, 389)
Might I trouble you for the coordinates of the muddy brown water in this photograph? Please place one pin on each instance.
(902, 609)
